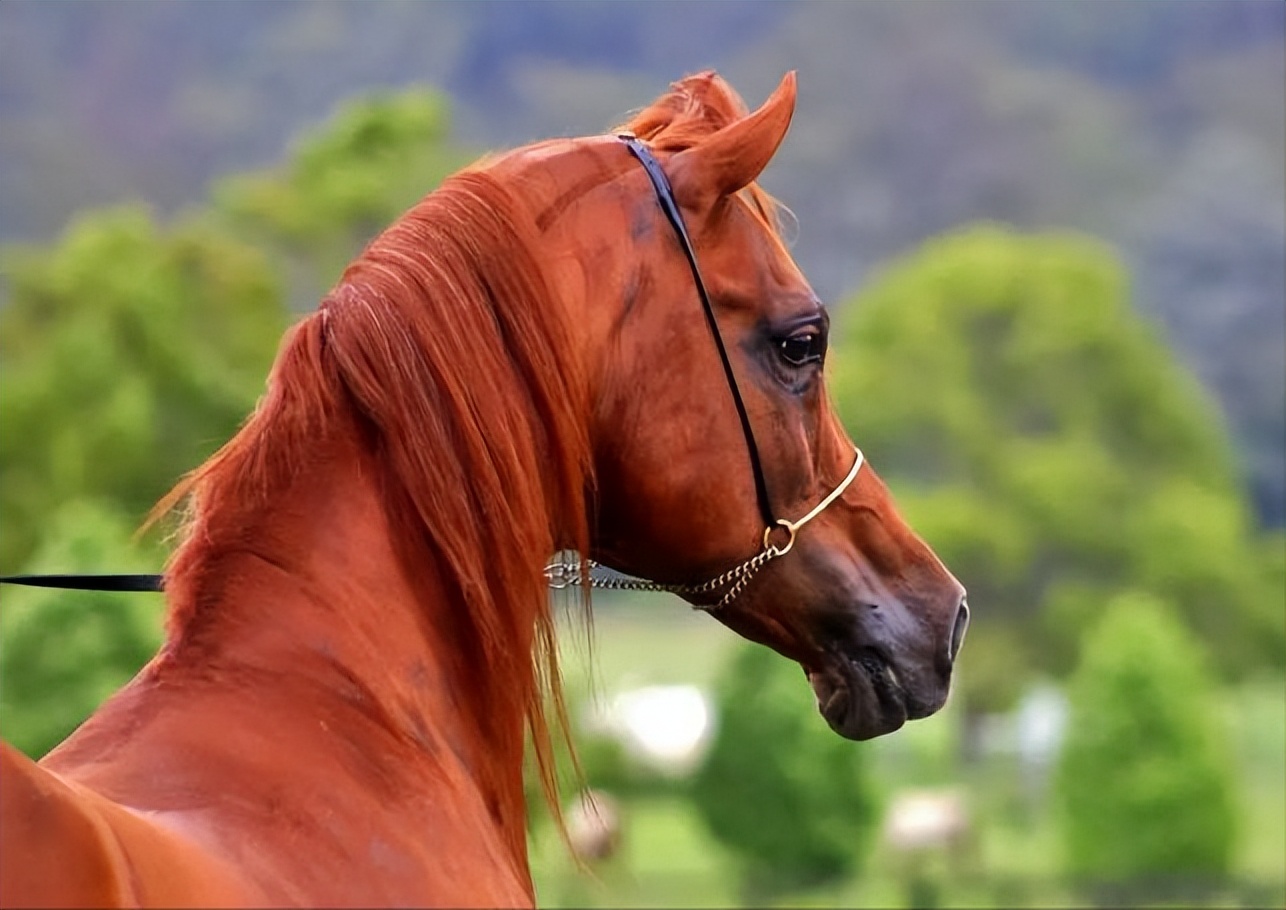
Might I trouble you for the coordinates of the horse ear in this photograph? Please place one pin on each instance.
(734, 156)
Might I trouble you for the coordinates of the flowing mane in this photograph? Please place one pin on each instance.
(489, 475)
(452, 289)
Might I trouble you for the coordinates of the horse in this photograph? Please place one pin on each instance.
(359, 634)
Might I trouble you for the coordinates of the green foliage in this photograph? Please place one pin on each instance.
(348, 179)
(63, 652)
(1049, 447)
(781, 791)
(130, 352)
(1144, 785)
(609, 767)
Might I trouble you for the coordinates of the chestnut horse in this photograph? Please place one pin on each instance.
(359, 634)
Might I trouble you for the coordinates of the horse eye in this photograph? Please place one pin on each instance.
(801, 348)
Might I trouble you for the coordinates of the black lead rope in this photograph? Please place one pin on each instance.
(89, 582)
(665, 196)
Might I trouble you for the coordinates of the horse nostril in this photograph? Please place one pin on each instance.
(958, 630)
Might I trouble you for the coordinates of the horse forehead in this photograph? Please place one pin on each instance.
(749, 250)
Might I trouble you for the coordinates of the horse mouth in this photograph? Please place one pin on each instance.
(861, 696)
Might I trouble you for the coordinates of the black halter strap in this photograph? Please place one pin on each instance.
(665, 196)
(89, 582)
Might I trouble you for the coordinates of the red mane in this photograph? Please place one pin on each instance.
(441, 350)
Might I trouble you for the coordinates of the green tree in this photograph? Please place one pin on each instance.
(788, 797)
(63, 652)
(130, 353)
(1144, 785)
(1051, 449)
(344, 182)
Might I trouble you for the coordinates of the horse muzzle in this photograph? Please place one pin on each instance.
(873, 683)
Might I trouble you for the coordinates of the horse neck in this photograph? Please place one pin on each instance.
(422, 450)
(321, 590)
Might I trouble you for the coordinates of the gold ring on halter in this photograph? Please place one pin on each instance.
(792, 527)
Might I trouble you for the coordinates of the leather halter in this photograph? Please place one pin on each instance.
(665, 196)
(562, 575)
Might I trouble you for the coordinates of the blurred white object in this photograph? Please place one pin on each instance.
(921, 820)
(1039, 722)
(1033, 730)
(594, 826)
(666, 728)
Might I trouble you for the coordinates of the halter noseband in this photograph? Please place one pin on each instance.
(562, 574)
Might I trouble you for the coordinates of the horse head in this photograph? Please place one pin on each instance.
(686, 488)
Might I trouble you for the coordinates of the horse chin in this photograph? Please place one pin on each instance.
(860, 697)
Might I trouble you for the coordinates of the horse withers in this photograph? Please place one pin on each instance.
(596, 344)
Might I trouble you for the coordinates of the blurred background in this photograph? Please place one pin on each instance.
(1053, 237)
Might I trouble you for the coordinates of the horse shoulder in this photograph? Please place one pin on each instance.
(53, 851)
(62, 845)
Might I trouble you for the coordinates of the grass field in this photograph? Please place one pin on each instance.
(668, 859)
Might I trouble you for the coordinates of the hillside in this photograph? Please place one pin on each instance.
(1159, 126)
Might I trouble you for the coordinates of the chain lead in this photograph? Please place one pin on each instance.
(571, 574)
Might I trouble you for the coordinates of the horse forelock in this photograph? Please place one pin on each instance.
(442, 346)
(694, 108)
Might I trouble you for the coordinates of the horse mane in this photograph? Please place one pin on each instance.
(692, 109)
(442, 350)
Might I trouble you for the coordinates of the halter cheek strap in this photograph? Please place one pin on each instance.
(665, 196)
